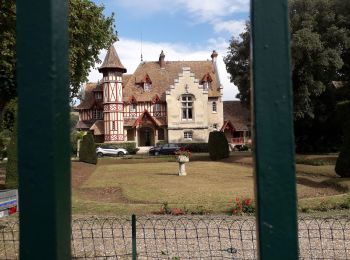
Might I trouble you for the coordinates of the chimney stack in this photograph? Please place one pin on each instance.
(214, 55)
(161, 60)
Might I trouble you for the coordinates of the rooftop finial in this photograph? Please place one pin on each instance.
(141, 48)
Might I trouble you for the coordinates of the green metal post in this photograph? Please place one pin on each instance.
(273, 136)
(133, 235)
(44, 149)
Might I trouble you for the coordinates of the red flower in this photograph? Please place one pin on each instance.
(247, 202)
(177, 211)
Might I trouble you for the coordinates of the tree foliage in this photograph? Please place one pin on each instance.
(320, 48)
(89, 32)
(12, 163)
(342, 166)
(319, 39)
(7, 52)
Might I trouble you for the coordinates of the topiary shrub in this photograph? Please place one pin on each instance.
(218, 146)
(342, 166)
(12, 163)
(87, 149)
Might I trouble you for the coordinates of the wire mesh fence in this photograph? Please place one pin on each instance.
(186, 237)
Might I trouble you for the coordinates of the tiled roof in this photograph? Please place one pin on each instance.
(238, 115)
(98, 127)
(84, 124)
(162, 78)
(89, 99)
(112, 61)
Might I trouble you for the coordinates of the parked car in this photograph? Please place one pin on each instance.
(164, 149)
(111, 151)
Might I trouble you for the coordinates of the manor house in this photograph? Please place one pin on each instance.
(170, 101)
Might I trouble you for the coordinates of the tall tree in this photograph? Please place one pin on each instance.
(7, 52)
(318, 41)
(89, 32)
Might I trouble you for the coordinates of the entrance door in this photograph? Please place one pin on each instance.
(146, 136)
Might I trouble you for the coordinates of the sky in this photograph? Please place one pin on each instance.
(183, 29)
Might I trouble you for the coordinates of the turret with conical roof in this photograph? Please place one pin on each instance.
(112, 61)
(112, 70)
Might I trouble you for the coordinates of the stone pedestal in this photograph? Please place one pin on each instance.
(182, 168)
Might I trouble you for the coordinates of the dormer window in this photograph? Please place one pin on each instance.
(98, 95)
(97, 114)
(206, 85)
(147, 87)
(133, 107)
(147, 83)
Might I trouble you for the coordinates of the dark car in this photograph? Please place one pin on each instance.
(164, 149)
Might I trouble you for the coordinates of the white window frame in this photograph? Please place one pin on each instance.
(132, 107)
(147, 87)
(188, 135)
(206, 85)
(96, 114)
(187, 107)
(156, 107)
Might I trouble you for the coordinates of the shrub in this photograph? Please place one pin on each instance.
(129, 146)
(87, 149)
(12, 167)
(342, 167)
(218, 146)
(196, 147)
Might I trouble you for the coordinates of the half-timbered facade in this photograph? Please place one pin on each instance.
(170, 101)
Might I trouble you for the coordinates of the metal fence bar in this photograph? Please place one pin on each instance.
(133, 235)
(44, 162)
(273, 135)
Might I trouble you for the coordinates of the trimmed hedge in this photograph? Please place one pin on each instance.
(129, 146)
(196, 147)
(342, 167)
(12, 163)
(87, 151)
(218, 146)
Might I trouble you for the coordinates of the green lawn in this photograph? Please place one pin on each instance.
(142, 185)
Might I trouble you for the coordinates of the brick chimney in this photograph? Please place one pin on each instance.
(214, 55)
(161, 60)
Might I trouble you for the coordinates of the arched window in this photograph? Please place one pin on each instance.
(187, 107)
(214, 108)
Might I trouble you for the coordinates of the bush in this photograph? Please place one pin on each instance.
(12, 166)
(195, 147)
(342, 167)
(129, 146)
(87, 151)
(218, 146)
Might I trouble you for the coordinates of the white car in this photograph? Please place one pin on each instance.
(111, 151)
